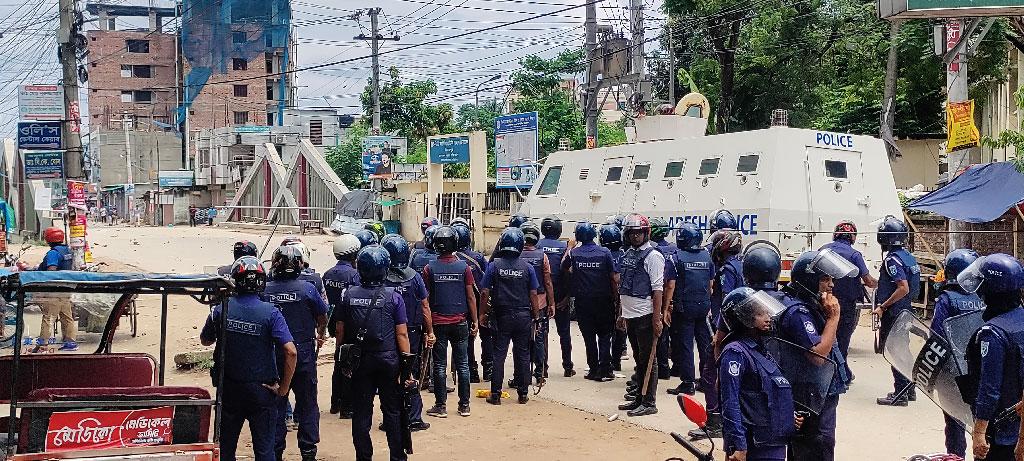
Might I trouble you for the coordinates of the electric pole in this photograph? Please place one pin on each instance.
(375, 38)
(671, 66)
(593, 65)
(636, 34)
(69, 65)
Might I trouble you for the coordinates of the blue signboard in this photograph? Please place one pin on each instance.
(39, 135)
(515, 150)
(252, 129)
(176, 178)
(450, 150)
(44, 164)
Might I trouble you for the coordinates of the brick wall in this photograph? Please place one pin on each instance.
(992, 237)
(106, 54)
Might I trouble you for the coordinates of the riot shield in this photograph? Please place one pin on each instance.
(810, 374)
(928, 360)
(959, 330)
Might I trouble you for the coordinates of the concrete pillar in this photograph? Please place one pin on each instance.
(477, 181)
(154, 21)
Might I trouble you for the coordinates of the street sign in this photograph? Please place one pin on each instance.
(44, 164)
(252, 129)
(39, 135)
(515, 150)
(176, 178)
(454, 149)
(41, 102)
(908, 9)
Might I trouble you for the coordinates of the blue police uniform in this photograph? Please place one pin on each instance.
(535, 258)
(664, 341)
(691, 304)
(756, 402)
(336, 280)
(802, 325)
(376, 312)
(301, 305)
(619, 336)
(590, 282)
(951, 302)
(410, 285)
(420, 258)
(446, 279)
(995, 355)
(554, 249)
(59, 256)
(728, 277)
(311, 276)
(897, 266)
(478, 264)
(848, 291)
(510, 281)
(254, 329)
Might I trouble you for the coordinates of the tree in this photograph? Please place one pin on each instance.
(1014, 138)
(346, 158)
(405, 111)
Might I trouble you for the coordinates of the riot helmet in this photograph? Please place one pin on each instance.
(460, 221)
(297, 243)
(811, 266)
(956, 261)
(517, 220)
(373, 263)
(346, 246)
(244, 248)
(723, 219)
(659, 228)
(636, 223)
(428, 237)
(510, 244)
(892, 232)
(551, 227)
(427, 222)
(465, 240)
(445, 240)
(287, 261)
(762, 264)
(249, 275)
(998, 279)
(398, 249)
(585, 232)
(748, 310)
(611, 236)
(531, 233)
(845, 230)
(689, 236)
(725, 244)
(366, 237)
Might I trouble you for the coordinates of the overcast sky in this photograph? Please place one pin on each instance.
(325, 34)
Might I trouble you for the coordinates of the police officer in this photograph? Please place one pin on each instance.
(239, 249)
(308, 274)
(377, 228)
(453, 310)
(366, 237)
(811, 321)
(253, 384)
(722, 219)
(409, 284)
(610, 237)
(690, 294)
(642, 278)
(336, 280)
(849, 290)
(659, 232)
(56, 305)
(551, 229)
(421, 257)
(427, 223)
(306, 314)
(593, 280)
(898, 285)
(994, 354)
(952, 301)
(376, 316)
(514, 304)
(756, 399)
(536, 258)
(478, 264)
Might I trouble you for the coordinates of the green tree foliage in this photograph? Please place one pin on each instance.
(404, 110)
(1011, 138)
(346, 158)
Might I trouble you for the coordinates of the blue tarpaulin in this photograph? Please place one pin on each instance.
(980, 194)
(113, 278)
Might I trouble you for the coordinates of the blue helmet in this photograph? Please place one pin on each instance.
(762, 264)
(531, 233)
(446, 241)
(460, 221)
(811, 266)
(689, 236)
(463, 234)
(427, 222)
(428, 236)
(995, 274)
(366, 237)
(611, 236)
(956, 261)
(723, 219)
(398, 250)
(892, 232)
(551, 227)
(585, 232)
(517, 220)
(511, 242)
(742, 306)
(373, 262)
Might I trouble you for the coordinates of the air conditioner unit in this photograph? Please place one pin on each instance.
(279, 139)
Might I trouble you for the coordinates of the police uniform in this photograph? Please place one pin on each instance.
(336, 280)
(665, 371)
(511, 282)
(410, 285)
(691, 304)
(421, 257)
(951, 302)
(376, 312)
(756, 402)
(848, 291)
(994, 363)
(535, 257)
(590, 282)
(478, 264)
(619, 336)
(897, 266)
(554, 249)
(254, 328)
(311, 276)
(447, 278)
(728, 277)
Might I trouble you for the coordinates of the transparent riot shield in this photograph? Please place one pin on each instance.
(959, 330)
(927, 359)
(810, 374)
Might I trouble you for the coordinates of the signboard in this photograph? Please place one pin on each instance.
(44, 164)
(515, 150)
(960, 130)
(906, 9)
(96, 430)
(39, 135)
(252, 129)
(449, 150)
(379, 155)
(75, 117)
(953, 29)
(76, 195)
(43, 198)
(41, 102)
(176, 178)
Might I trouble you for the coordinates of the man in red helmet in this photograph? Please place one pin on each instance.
(56, 304)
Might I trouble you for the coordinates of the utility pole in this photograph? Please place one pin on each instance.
(593, 65)
(179, 70)
(69, 65)
(375, 38)
(636, 33)
(128, 180)
(671, 66)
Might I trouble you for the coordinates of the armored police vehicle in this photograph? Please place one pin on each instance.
(785, 185)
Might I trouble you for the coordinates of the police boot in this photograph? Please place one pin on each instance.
(891, 400)
(494, 399)
(308, 455)
(712, 428)
(683, 388)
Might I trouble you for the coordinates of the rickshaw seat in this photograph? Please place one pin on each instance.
(40, 371)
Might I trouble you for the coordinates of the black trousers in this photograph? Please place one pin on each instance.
(640, 332)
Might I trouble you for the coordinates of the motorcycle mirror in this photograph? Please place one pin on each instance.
(693, 410)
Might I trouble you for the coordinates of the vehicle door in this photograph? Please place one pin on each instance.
(608, 191)
(835, 191)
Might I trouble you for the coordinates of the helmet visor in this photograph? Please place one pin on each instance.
(830, 263)
(970, 279)
(760, 303)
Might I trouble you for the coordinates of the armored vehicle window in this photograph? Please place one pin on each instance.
(835, 169)
(641, 171)
(747, 164)
(614, 174)
(674, 169)
(709, 166)
(550, 183)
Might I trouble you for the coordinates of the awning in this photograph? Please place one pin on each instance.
(390, 202)
(980, 194)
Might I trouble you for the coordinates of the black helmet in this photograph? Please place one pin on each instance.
(724, 244)
(446, 241)
(465, 240)
(585, 232)
(742, 307)
(723, 219)
(287, 261)
(398, 249)
(249, 275)
(551, 227)
(244, 248)
(762, 264)
(611, 236)
(659, 228)
(427, 222)
(373, 262)
(811, 266)
(689, 236)
(428, 236)
(892, 232)
(531, 234)
(517, 220)
(510, 244)
(366, 237)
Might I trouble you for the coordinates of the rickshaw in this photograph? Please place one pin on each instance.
(106, 405)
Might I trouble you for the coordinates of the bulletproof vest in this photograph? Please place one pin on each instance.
(961, 303)
(666, 248)
(448, 287)
(371, 313)
(535, 258)
(766, 397)
(617, 258)
(311, 276)
(250, 353)
(913, 271)
(732, 266)
(65, 258)
(337, 279)
(511, 285)
(1012, 335)
(553, 249)
(591, 272)
(404, 283)
(840, 383)
(420, 259)
(475, 266)
(635, 281)
(292, 297)
(694, 270)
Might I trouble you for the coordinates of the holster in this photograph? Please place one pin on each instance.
(348, 357)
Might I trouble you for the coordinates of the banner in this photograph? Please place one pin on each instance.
(39, 135)
(454, 149)
(515, 150)
(44, 164)
(95, 430)
(960, 128)
(379, 154)
(175, 178)
(41, 102)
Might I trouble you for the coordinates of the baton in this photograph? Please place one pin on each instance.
(267, 243)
